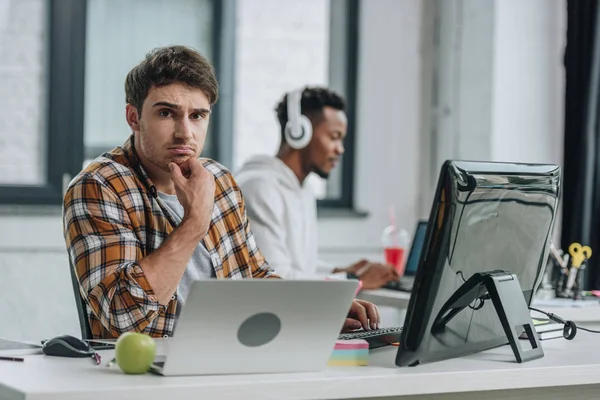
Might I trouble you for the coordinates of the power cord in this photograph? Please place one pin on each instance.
(570, 328)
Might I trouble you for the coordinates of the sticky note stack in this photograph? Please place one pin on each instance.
(349, 353)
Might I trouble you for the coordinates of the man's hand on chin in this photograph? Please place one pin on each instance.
(363, 314)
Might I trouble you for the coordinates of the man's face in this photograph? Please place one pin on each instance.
(173, 124)
(326, 146)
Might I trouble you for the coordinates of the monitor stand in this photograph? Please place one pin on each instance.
(504, 290)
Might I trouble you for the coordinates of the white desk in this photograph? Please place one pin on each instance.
(399, 299)
(568, 370)
(386, 297)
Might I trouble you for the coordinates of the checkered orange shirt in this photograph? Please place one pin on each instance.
(113, 218)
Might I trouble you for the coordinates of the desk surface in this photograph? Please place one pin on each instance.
(386, 297)
(565, 364)
(578, 309)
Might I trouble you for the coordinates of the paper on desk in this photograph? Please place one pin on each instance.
(13, 348)
(20, 352)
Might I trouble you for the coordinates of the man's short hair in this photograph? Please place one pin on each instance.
(166, 65)
(314, 99)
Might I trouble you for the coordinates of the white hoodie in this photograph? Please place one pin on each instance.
(283, 216)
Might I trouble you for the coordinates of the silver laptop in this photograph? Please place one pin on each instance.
(256, 326)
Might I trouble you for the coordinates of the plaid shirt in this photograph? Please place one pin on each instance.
(113, 218)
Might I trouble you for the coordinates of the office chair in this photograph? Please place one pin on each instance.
(86, 332)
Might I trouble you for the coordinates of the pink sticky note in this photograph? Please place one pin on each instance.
(353, 344)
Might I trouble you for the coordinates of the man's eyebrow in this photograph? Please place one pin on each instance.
(177, 107)
(166, 104)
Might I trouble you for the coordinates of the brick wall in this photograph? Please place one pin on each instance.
(281, 45)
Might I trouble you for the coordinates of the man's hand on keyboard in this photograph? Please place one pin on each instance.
(363, 314)
(373, 275)
(376, 275)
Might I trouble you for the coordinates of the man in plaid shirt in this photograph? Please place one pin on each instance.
(144, 220)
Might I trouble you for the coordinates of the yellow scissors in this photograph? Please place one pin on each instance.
(579, 254)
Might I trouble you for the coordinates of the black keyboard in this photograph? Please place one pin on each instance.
(376, 337)
(403, 285)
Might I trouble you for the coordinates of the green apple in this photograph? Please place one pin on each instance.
(135, 352)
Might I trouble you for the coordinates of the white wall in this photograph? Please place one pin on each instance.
(500, 82)
(281, 45)
(387, 148)
(528, 93)
(36, 296)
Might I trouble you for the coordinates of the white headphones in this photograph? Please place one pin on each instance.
(298, 129)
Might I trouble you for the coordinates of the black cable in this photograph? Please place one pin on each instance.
(570, 327)
(538, 310)
(481, 301)
(588, 330)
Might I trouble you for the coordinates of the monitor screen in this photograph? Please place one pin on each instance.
(485, 216)
(415, 250)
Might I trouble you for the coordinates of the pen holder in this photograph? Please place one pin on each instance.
(570, 283)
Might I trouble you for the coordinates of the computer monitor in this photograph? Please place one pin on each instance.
(415, 249)
(485, 216)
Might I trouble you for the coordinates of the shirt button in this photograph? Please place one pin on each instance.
(165, 336)
(173, 297)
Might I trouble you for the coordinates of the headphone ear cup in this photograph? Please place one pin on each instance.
(305, 128)
(570, 330)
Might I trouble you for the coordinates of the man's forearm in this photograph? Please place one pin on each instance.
(165, 267)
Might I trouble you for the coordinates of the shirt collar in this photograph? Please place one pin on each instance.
(133, 159)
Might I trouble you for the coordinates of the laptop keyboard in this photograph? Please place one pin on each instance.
(403, 285)
(376, 337)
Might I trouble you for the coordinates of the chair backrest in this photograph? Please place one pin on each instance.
(86, 332)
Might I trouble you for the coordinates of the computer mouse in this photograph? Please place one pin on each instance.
(67, 346)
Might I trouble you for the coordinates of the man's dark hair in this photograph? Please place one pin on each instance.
(165, 65)
(311, 105)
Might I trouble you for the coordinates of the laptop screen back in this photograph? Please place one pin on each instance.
(415, 250)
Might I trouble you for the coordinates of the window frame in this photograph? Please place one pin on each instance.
(65, 150)
(344, 29)
(64, 97)
(223, 50)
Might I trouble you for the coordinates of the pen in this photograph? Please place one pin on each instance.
(12, 358)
